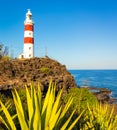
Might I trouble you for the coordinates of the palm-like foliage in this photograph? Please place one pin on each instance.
(48, 115)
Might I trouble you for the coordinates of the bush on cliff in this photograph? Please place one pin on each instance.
(45, 70)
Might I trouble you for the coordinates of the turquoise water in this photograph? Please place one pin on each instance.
(97, 78)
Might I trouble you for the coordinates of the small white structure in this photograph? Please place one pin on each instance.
(28, 37)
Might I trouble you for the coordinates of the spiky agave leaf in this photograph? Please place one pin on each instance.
(39, 95)
(20, 111)
(56, 111)
(37, 113)
(75, 121)
(30, 106)
(9, 123)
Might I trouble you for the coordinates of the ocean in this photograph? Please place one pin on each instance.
(97, 78)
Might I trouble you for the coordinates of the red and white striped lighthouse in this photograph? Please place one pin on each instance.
(28, 36)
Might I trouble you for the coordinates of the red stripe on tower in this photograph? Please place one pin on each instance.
(28, 27)
(28, 40)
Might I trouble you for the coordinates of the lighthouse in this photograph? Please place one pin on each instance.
(28, 36)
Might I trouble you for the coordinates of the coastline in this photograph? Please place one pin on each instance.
(97, 80)
(103, 95)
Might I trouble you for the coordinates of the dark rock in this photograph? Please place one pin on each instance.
(102, 94)
(24, 80)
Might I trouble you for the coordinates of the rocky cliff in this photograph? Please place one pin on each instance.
(18, 73)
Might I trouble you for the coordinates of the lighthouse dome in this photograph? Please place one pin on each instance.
(28, 13)
(28, 17)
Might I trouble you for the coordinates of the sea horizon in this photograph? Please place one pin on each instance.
(91, 69)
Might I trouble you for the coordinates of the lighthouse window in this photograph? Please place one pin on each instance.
(29, 48)
(29, 55)
(30, 33)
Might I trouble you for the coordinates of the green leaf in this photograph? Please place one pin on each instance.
(39, 95)
(56, 105)
(20, 112)
(46, 98)
(8, 116)
(67, 122)
(53, 121)
(29, 104)
(49, 107)
(75, 121)
(66, 108)
(37, 114)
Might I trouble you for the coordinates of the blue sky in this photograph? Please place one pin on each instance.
(82, 34)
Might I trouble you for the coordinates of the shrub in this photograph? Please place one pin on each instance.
(5, 58)
(7, 100)
(45, 70)
(81, 96)
(96, 116)
(48, 115)
(100, 117)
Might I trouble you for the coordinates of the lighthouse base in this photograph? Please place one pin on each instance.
(28, 50)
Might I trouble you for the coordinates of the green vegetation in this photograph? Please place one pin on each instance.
(100, 117)
(96, 116)
(81, 96)
(45, 70)
(76, 110)
(3, 52)
(48, 115)
(5, 58)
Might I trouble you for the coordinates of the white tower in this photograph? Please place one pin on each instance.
(28, 36)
